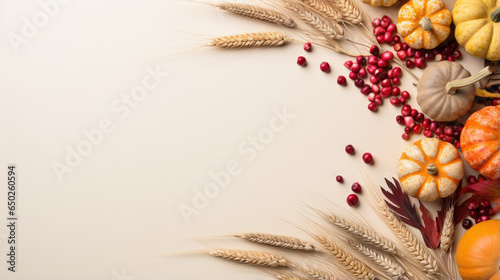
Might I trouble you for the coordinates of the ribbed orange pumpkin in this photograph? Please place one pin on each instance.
(429, 169)
(478, 252)
(480, 141)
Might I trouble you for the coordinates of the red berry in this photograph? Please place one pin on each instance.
(398, 46)
(491, 212)
(375, 50)
(301, 61)
(353, 75)
(396, 81)
(387, 56)
(405, 136)
(375, 88)
(472, 205)
(428, 133)
(359, 82)
(484, 203)
(361, 60)
(417, 128)
(325, 67)
(484, 218)
(466, 224)
(483, 212)
(341, 80)
(386, 83)
(405, 94)
(376, 22)
(410, 64)
(349, 149)
(372, 106)
(380, 73)
(372, 60)
(419, 117)
(406, 110)
(382, 63)
(401, 55)
(374, 80)
(409, 122)
(367, 158)
(355, 67)
(426, 123)
(478, 220)
(379, 30)
(397, 72)
(356, 187)
(395, 101)
(402, 100)
(391, 28)
(439, 130)
(496, 102)
(471, 180)
(366, 89)
(456, 54)
(397, 39)
(410, 52)
(420, 62)
(434, 126)
(386, 91)
(450, 58)
(352, 200)
(339, 179)
(348, 64)
(418, 54)
(473, 214)
(386, 19)
(307, 46)
(400, 119)
(380, 38)
(428, 56)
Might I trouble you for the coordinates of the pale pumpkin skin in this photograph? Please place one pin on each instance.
(418, 158)
(432, 97)
(475, 30)
(478, 252)
(410, 25)
(480, 141)
(378, 3)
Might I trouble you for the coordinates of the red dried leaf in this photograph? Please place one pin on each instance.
(401, 205)
(488, 189)
(430, 231)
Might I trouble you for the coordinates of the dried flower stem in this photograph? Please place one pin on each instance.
(250, 257)
(286, 242)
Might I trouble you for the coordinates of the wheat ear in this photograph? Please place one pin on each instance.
(250, 40)
(363, 233)
(348, 261)
(324, 8)
(332, 31)
(250, 257)
(448, 230)
(282, 276)
(411, 243)
(349, 11)
(286, 242)
(257, 13)
(387, 264)
(317, 273)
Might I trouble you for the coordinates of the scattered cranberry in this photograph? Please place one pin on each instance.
(387, 56)
(367, 158)
(471, 179)
(473, 214)
(420, 62)
(434, 126)
(483, 212)
(325, 67)
(472, 205)
(376, 22)
(395, 101)
(397, 72)
(478, 220)
(374, 80)
(402, 100)
(401, 55)
(349, 149)
(352, 200)
(391, 28)
(428, 133)
(484, 203)
(356, 187)
(466, 224)
(375, 88)
(348, 64)
(379, 30)
(407, 129)
(410, 64)
(484, 218)
(361, 60)
(405, 94)
(339, 179)
(397, 39)
(405, 136)
(353, 76)
(359, 82)
(387, 19)
(301, 61)
(362, 72)
(419, 117)
(406, 110)
(417, 128)
(366, 89)
(425, 123)
(307, 46)
(456, 54)
(400, 119)
(341, 80)
(372, 106)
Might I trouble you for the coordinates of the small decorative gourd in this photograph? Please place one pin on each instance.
(378, 3)
(477, 23)
(480, 141)
(446, 90)
(478, 252)
(430, 168)
(424, 23)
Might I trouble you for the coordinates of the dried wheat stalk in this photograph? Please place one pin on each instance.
(250, 40)
(324, 8)
(257, 13)
(286, 242)
(348, 261)
(448, 230)
(363, 233)
(332, 31)
(317, 273)
(250, 257)
(387, 264)
(349, 11)
(289, 277)
(412, 244)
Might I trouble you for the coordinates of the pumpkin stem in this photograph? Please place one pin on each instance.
(426, 24)
(432, 169)
(495, 15)
(451, 87)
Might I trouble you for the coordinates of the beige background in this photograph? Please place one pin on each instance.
(117, 211)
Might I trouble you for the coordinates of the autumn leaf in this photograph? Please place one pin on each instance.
(488, 189)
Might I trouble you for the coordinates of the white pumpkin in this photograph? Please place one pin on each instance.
(430, 168)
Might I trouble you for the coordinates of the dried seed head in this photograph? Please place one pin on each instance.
(286, 242)
(250, 40)
(257, 13)
(250, 257)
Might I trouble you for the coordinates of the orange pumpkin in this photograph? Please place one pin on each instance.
(429, 169)
(480, 141)
(424, 23)
(478, 252)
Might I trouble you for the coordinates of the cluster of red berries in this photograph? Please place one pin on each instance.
(416, 122)
(479, 210)
(352, 199)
